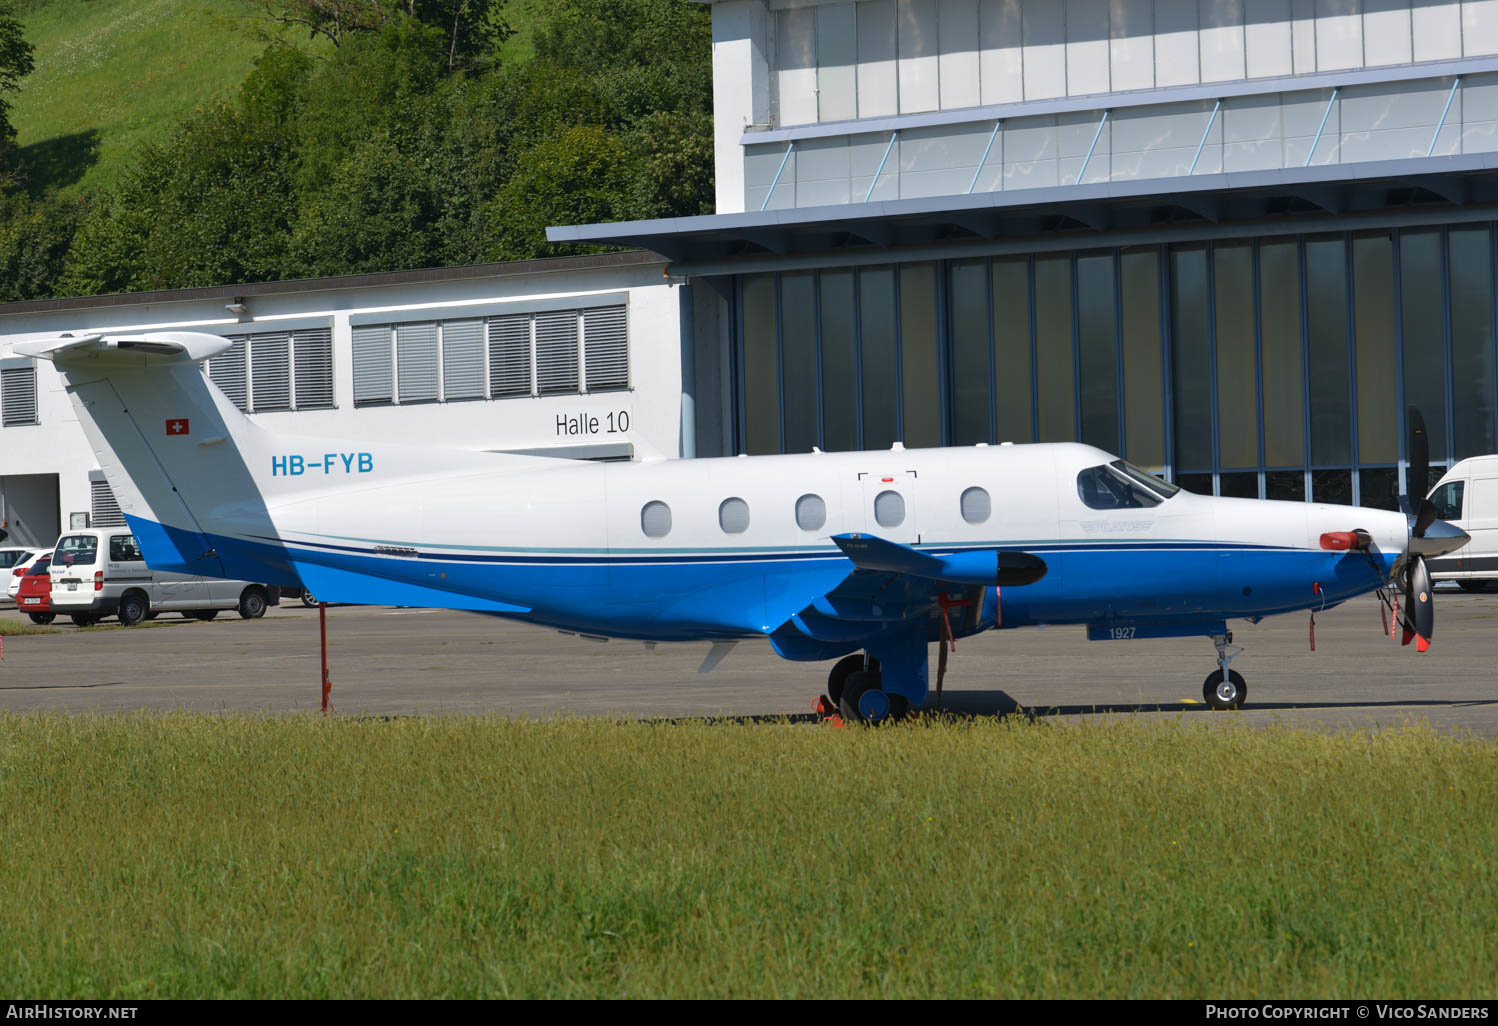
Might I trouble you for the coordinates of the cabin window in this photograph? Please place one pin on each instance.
(655, 519)
(976, 506)
(811, 513)
(889, 509)
(733, 516)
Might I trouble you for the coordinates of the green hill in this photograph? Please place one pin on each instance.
(112, 74)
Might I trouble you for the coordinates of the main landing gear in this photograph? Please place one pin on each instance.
(879, 686)
(1224, 688)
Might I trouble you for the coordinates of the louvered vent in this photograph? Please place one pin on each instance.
(227, 371)
(462, 360)
(270, 370)
(606, 348)
(556, 352)
(313, 351)
(655, 519)
(811, 513)
(889, 509)
(509, 356)
(104, 511)
(372, 363)
(733, 516)
(416, 361)
(976, 507)
(18, 396)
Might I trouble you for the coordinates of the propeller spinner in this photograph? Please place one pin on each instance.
(1429, 536)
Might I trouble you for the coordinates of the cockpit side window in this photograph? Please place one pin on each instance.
(1160, 487)
(1103, 487)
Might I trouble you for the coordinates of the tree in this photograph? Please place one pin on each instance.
(15, 64)
(470, 28)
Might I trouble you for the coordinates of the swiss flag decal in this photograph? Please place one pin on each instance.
(177, 427)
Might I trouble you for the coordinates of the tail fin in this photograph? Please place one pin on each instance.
(187, 467)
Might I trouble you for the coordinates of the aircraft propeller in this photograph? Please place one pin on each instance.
(1429, 536)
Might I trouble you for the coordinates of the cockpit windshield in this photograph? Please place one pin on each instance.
(1120, 485)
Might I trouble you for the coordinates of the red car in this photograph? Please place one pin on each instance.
(34, 598)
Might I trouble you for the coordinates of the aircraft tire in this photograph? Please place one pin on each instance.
(853, 688)
(1224, 695)
(1473, 585)
(842, 669)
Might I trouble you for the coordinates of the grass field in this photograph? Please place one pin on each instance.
(186, 856)
(113, 74)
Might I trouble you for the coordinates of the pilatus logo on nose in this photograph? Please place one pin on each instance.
(177, 427)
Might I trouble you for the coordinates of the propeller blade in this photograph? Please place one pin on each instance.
(1424, 606)
(1417, 481)
(1423, 519)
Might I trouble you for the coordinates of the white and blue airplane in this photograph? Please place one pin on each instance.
(864, 557)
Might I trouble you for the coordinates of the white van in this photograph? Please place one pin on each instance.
(1467, 496)
(100, 572)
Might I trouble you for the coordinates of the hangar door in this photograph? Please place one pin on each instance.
(29, 509)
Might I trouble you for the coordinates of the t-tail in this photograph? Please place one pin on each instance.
(189, 470)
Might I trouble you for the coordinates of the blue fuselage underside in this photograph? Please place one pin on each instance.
(728, 595)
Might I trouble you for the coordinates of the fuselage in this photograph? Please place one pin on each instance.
(732, 547)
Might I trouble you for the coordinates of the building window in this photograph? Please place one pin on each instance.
(18, 396)
(733, 516)
(655, 519)
(276, 370)
(104, 510)
(556, 352)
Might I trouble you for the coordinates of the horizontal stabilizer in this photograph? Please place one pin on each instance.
(157, 347)
(1003, 567)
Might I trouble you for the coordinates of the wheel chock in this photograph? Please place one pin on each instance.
(823, 707)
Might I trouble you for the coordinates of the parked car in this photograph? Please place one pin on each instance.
(19, 570)
(100, 572)
(34, 597)
(1467, 496)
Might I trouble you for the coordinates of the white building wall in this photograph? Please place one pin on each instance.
(568, 424)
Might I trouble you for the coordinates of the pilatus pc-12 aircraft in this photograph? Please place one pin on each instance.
(865, 557)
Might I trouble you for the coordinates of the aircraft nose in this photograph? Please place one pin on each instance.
(1439, 538)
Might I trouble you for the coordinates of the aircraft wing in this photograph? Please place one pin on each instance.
(895, 588)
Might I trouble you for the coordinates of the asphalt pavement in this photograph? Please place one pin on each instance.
(424, 662)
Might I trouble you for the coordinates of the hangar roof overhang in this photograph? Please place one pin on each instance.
(711, 244)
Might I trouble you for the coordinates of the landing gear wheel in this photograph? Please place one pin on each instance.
(837, 680)
(42, 618)
(1473, 585)
(307, 599)
(899, 707)
(1224, 694)
(858, 685)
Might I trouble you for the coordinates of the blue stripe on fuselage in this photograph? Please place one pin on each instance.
(693, 595)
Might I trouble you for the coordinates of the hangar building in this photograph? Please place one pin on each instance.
(1227, 239)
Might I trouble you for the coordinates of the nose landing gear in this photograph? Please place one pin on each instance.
(1224, 688)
